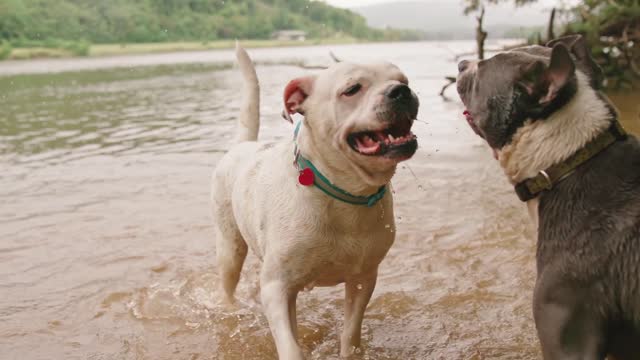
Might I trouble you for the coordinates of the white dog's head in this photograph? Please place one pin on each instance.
(361, 114)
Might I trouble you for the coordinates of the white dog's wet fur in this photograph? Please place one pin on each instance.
(303, 237)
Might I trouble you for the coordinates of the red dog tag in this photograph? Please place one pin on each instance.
(306, 177)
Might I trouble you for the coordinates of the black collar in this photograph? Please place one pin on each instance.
(547, 179)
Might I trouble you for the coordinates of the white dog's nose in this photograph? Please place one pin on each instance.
(399, 92)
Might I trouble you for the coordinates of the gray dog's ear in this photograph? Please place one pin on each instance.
(295, 95)
(545, 82)
(579, 48)
(568, 41)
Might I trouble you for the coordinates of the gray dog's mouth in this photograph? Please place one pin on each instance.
(467, 114)
(396, 141)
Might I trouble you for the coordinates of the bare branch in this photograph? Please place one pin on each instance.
(319, 67)
(550, 33)
(334, 57)
(481, 35)
(493, 50)
(451, 80)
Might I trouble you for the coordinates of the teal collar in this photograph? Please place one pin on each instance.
(322, 183)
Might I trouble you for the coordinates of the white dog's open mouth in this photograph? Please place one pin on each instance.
(396, 141)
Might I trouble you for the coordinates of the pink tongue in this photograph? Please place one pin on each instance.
(367, 146)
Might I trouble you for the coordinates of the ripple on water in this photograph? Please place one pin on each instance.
(107, 248)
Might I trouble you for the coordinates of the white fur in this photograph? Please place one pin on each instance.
(532, 207)
(250, 108)
(303, 237)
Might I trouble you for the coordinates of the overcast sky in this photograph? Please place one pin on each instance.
(354, 3)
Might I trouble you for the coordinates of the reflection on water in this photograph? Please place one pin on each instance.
(67, 116)
(107, 249)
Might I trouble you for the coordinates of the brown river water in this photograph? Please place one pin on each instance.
(106, 240)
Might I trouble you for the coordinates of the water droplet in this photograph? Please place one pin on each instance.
(420, 187)
(358, 350)
(387, 226)
(359, 286)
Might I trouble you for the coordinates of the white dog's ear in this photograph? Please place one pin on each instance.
(296, 93)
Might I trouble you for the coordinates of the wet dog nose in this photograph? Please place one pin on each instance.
(398, 92)
(399, 99)
(463, 65)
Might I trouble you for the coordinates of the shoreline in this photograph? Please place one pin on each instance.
(108, 50)
(111, 50)
(308, 54)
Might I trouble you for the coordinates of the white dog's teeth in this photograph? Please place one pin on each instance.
(391, 137)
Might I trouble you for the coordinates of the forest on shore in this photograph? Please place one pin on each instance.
(76, 24)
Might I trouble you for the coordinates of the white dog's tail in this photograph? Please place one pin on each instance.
(249, 121)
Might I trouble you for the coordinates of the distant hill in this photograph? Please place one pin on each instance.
(121, 21)
(444, 19)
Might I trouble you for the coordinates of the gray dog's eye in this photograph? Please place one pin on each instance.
(352, 90)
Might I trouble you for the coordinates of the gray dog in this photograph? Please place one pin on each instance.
(559, 142)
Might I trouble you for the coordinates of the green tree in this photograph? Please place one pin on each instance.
(13, 18)
(59, 23)
(613, 30)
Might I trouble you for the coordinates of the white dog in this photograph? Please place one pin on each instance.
(315, 209)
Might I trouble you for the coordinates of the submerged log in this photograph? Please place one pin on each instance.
(452, 80)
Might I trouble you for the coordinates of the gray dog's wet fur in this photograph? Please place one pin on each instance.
(587, 294)
(588, 259)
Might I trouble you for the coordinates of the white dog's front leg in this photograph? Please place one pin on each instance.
(279, 303)
(357, 295)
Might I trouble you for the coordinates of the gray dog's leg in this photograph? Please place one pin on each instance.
(567, 330)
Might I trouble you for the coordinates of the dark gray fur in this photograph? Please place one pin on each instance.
(500, 104)
(587, 294)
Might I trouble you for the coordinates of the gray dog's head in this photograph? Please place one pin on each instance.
(524, 84)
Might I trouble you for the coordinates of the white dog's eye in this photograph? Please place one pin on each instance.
(352, 90)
